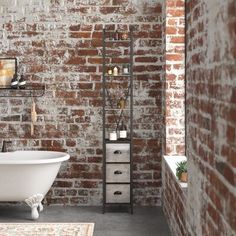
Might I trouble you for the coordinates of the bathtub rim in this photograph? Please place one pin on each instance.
(62, 156)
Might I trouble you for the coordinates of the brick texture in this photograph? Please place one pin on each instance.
(211, 123)
(174, 78)
(59, 44)
(174, 202)
(208, 206)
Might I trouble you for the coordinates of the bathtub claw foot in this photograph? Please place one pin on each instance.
(34, 203)
(34, 213)
(40, 206)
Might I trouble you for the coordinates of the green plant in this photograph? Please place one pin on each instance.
(181, 168)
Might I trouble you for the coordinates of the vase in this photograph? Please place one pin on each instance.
(184, 177)
(121, 103)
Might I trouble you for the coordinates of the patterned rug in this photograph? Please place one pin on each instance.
(46, 229)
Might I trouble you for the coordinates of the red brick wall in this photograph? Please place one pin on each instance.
(208, 208)
(174, 78)
(59, 43)
(211, 117)
(174, 202)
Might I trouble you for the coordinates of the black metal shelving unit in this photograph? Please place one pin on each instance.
(118, 153)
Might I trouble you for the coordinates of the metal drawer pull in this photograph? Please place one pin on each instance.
(117, 172)
(117, 193)
(117, 152)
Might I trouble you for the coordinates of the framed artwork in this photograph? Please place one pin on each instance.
(8, 67)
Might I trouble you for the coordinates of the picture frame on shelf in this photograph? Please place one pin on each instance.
(8, 67)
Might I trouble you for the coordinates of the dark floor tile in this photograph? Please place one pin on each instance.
(146, 221)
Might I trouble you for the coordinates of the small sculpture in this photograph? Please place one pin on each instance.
(22, 82)
(14, 82)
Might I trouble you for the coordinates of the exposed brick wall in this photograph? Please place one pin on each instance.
(209, 206)
(211, 117)
(174, 202)
(174, 78)
(59, 43)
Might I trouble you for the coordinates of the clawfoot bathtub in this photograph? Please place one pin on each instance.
(28, 175)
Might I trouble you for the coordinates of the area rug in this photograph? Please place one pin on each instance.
(46, 229)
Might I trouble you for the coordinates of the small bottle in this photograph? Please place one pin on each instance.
(124, 36)
(125, 69)
(113, 136)
(116, 35)
(109, 72)
(14, 82)
(123, 130)
(22, 82)
(115, 71)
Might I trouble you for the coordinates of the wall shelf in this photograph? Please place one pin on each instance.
(114, 76)
(117, 41)
(28, 91)
(118, 141)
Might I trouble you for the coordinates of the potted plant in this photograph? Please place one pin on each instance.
(181, 171)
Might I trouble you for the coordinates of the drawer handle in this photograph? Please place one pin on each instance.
(117, 172)
(117, 193)
(117, 152)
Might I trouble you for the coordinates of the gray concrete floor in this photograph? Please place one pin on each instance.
(146, 221)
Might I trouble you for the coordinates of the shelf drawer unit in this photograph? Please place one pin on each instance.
(118, 193)
(117, 174)
(118, 154)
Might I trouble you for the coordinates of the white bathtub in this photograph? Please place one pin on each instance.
(28, 175)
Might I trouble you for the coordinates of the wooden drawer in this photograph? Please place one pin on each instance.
(117, 152)
(118, 193)
(117, 173)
